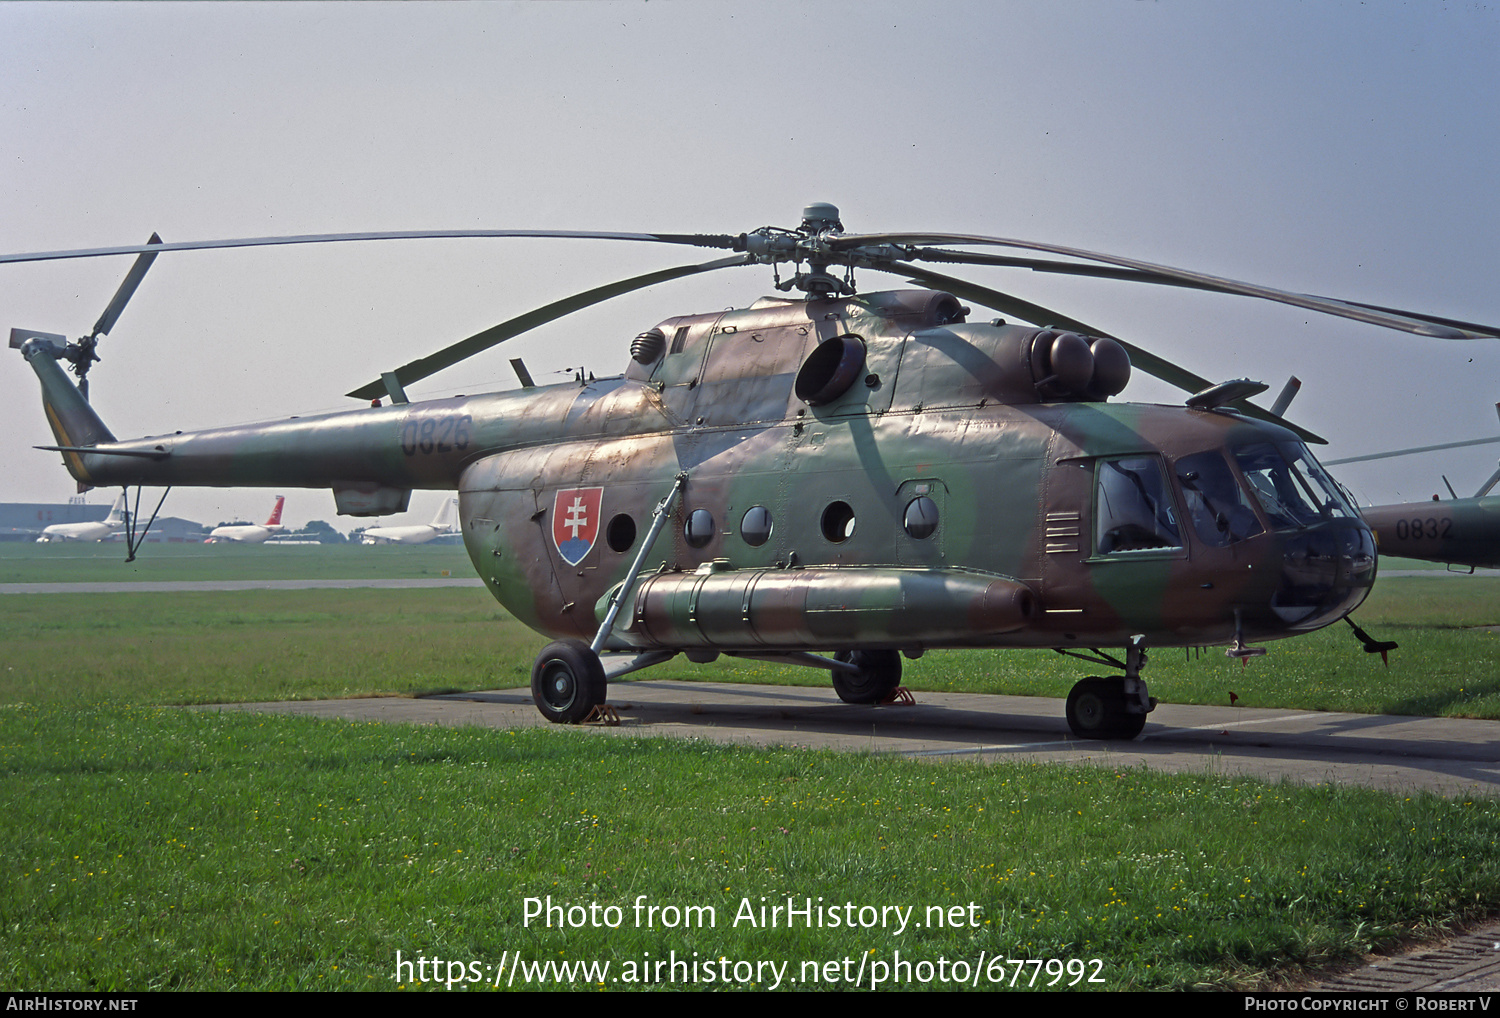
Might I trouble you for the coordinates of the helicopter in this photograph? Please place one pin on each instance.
(1455, 532)
(833, 478)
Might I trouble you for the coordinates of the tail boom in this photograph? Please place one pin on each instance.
(372, 449)
(74, 423)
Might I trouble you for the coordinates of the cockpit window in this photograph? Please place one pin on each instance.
(1218, 507)
(1334, 501)
(1134, 508)
(1292, 489)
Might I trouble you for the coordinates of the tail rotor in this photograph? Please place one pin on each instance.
(82, 352)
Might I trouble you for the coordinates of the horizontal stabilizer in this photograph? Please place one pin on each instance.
(150, 454)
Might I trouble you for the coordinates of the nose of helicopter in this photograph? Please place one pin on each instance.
(1326, 572)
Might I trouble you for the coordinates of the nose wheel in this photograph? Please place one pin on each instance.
(1097, 710)
(1113, 708)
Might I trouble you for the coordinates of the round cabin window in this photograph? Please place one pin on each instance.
(620, 534)
(755, 528)
(838, 522)
(700, 528)
(921, 519)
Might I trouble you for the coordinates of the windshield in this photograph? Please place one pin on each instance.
(1291, 486)
(1220, 510)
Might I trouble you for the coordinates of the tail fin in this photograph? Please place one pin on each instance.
(116, 517)
(447, 516)
(73, 421)
(276, 513)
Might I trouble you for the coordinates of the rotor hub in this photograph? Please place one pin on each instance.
(820, 217)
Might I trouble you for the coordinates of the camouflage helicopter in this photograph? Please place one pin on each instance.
(1459, 531)
(835, 479)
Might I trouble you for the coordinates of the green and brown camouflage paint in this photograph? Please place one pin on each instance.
(963, 415)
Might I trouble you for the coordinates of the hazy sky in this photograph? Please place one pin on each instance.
(1343, 149)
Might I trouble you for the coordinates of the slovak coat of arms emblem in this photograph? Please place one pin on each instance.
(575, 522)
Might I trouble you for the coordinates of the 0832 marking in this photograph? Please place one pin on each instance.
(1417, 528)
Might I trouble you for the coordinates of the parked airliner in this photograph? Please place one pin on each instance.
(250, 533)
(445, 522)
(98, 530)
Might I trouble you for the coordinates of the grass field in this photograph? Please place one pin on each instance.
(289, 644)
(156, 848)
(77, 562)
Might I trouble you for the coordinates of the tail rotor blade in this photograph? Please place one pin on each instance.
(127, 290)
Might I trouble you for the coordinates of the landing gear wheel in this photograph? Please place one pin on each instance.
(567, 681)
(1096, 710)
(879, 674)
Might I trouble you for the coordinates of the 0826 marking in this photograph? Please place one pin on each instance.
(439, 433)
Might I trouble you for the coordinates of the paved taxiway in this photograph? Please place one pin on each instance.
(1450, 756)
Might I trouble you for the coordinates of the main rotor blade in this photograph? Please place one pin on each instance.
(933, 254)
(1408, 452)
(127, 289)
(422, 367)
(1148, 362)
(691, 239)
(1486, 330)
(1044, 317)
(1203, 280)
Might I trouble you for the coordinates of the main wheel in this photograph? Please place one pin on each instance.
(567, 681)
(1129, 726)
(1096, 710)
(879, 673)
